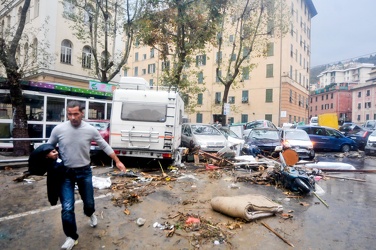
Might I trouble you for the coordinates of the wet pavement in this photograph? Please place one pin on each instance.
(27, 221)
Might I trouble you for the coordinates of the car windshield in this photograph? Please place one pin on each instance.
(204, 130)
(300, 135)
(264, 134)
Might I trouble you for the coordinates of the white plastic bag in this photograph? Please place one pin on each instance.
(101, 183)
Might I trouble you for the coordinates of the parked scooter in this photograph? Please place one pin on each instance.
(293, 178)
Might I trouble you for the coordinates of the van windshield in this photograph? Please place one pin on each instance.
(145, 112)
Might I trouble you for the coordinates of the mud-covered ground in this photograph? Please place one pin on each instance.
(27, 221)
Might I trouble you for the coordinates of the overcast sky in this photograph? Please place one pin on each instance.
(342, 29)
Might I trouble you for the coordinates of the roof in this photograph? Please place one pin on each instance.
(311, 8)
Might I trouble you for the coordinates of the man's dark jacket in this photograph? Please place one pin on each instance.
(39, 164)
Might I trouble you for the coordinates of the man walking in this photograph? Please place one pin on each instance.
(74, 139)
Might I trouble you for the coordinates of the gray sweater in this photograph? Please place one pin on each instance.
(74, 143)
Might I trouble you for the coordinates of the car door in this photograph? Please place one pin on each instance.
(319, 137)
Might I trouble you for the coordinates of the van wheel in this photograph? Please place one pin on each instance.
(345, 148)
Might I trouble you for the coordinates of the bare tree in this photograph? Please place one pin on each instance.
(252, 25)
(179, 29)
(9, 43)
(103, 24)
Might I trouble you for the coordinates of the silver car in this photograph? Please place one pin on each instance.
(370, 147)
(299, 141)
(206, 136)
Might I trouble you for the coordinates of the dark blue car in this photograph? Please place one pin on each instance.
(329, 139)
(261, 141)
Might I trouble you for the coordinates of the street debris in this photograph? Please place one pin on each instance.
(248, 207)
(279, 236)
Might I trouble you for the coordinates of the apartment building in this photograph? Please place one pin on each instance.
(364, 96)
(346, 90)
(277, 89)
(48, 31)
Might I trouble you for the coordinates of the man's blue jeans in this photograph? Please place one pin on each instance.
(83, 178)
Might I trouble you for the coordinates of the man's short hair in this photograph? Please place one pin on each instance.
(72, 104)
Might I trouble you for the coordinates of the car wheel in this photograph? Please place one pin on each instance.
(345, 148)
(366, 152)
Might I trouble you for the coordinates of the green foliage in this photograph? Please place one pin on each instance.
(178, 30)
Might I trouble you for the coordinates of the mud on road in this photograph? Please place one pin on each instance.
(27, 221)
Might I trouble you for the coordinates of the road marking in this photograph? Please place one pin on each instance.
(40, 210)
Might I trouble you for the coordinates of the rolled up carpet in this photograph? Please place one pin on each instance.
(248, 207)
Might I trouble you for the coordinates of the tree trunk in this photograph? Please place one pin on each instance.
(20, 128)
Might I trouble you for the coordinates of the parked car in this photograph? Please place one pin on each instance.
(206, 136)
(370, 147)
(299, 141)
(103, 126)
(261, 141)
(349, 128)
(257, 124)
(370, 124)
(359, 136)
(330, 139)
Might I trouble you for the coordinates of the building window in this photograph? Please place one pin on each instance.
(199, 99)
(135, 71)
(231, 38)
(151, 68)
(331, 96)
(269, 95)
(269, 70)
(218, 57)
(218, 75)
(268, 117)
(245, 73)
(165, 65)
(86, 57)
(331, 105)
(359, 94)
(66, 52)
(359, 105)
(246, 52)
(151, 53)
(144, 57)
(290, 98)
(136, 56)
(367, 117)
(200, 77)
(245, 96)
(199, 118)
(68, 9)
(217, 98)
(358, 118)
(231, 99)
(144, 71)
(151, 82)
(200, 60)
(270, 49)
(368, 92)
(244, 118)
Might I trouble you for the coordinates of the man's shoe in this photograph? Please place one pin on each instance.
(93, 220)
(69, 243)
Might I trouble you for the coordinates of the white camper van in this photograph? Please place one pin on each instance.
(145, 121)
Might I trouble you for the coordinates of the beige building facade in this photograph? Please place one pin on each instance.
(57, 55)
(277, 89)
